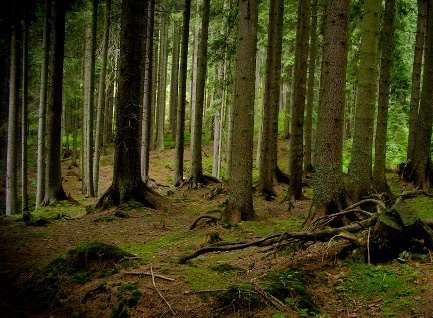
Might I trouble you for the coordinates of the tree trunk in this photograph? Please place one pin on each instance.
(12, 148)
(101, 98)
(218, 121)
(174, 87)
(420, 172)
(310, 89)
(288, 105)
(89, 87)
(148, 94)
(360, 168)
(201, 71)
(196, 34)
(416, 76)
(299, 90)
(162, 82)
(24, 118)
(53, 182)
(269, 139)
(387, 54)
(155, 80)
(240, 200)
(328, 179)
(180, 129)
(127, 183)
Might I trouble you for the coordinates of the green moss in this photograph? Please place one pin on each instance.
(273, 225)
(422, 206)
(59, 210)
(200, 277)
(129, 294)
(392, 284)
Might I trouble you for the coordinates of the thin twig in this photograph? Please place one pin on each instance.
(149, 274)
(159, 293)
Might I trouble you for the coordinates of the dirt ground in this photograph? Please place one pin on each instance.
(157, 238)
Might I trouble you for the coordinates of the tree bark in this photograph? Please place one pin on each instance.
(269, 139)
(328, 178)
(24, 117)
(387, 54)
(148, 95)
(201, 72)
(416, 76)
(101, 98)
(174, 87)
(240, 200)
(310, 89)
(89, 87)
(53, 182)
(360, 168)
(299, 90)
(12, 148)
(180, 129)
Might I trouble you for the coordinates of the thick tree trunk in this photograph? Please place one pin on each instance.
(12, 147)
(162, 82)
(328, 179)
(416, 76)
(420, 171)
(127, 183)
(387, 54)
(174, 87)
(240, 201)
(195, 43)
(101, 98)
(146, 123)
(24, 117)
(201, 71)
(360, 168)
(310, 89)
(89, 87)
(268, 147)
(53, 182)
(299, 90)
(180, 129)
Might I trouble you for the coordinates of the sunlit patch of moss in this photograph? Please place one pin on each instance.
(392, 285)
(59, 210)
(422, 206)
(272, 225)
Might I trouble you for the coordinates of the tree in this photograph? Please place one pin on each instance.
(387, 54)
(420, 171)
(174, 87)
(240, 200)
(89, 87)
(24, 116)
(147, 95)
(201, 71)
(180, 129)
(416, 76)
(268, 147)
(329, 195)
(310, 88)
(100, 114)
(12, 148)
(298, 106)
(53, 178)
(360, 169)
(127, 182)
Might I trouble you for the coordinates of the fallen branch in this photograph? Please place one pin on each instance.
(202, 217)
(276, 238)
(278, 304)
(149, 274)
(159, 293)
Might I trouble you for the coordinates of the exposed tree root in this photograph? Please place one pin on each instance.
(194, 183)
(142, 194)
(210, 217)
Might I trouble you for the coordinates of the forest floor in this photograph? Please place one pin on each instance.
(309, 281)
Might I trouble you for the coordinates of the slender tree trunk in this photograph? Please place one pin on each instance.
(299, 90)
(240, 200)
(89, 87)
(360, 168)
(268, 147)
(101, 98)
(196, 34)
(148, 94)
(12, 148)
(127, 182)
(310, 89)
(218, 120)
(387, 54)
(180, 129)
(328, 180)
(174, 87)
(53, 183)
(288, 105)
(40, 179)
(421, 173)
(24, 118)
(155, 85)
(201, 71)
(416, 77)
